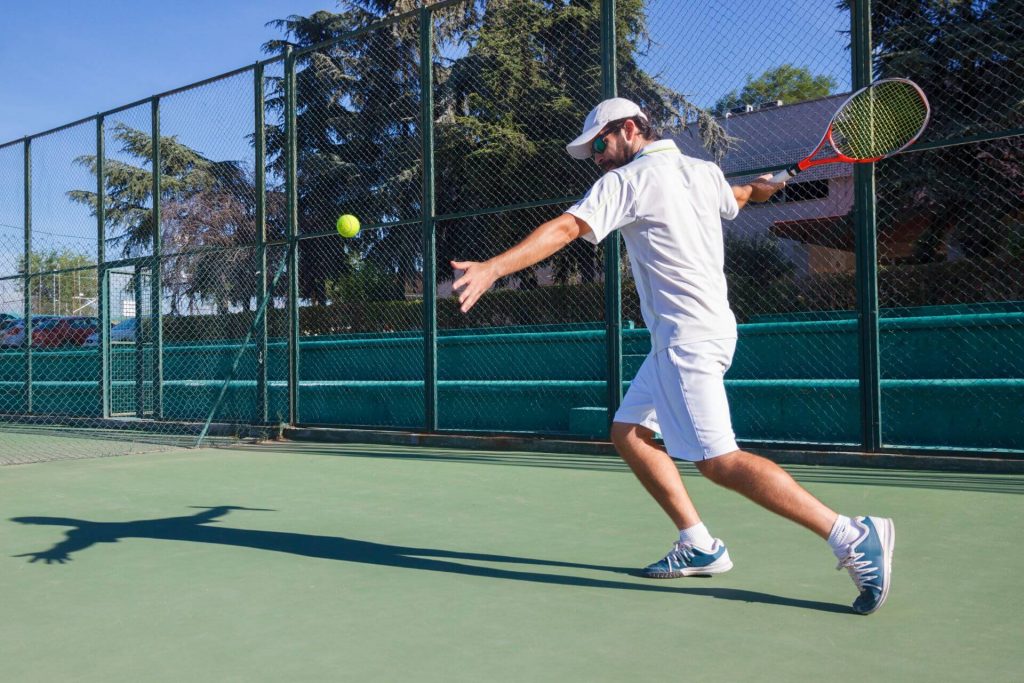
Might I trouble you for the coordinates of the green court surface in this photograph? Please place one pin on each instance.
(314, 562)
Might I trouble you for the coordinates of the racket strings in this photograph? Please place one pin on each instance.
(880, 120)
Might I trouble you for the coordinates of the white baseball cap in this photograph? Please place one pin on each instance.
(600, 116)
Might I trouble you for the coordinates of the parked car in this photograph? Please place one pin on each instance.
(124, 331)
(14, 333)
(65, 331)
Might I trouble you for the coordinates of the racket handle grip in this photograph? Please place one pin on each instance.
(783, 176)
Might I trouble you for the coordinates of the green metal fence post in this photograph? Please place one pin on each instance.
(27, 186)
(429, 241)
(140, 346)
(291, 182)
(155, 281)
(102, 289)
(865, 235)
(613, 245)
(259, 140)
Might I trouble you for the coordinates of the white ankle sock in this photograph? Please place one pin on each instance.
(842, 535)
(697, 535)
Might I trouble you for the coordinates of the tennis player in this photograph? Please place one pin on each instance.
(668, 208)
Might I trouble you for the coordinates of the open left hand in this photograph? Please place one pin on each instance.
(476, 279)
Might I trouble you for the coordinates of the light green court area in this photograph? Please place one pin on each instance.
(312, 562)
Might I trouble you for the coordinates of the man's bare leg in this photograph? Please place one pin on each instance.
(771, 487)
(656, 471)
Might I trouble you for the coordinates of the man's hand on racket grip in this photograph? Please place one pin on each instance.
(759, 189)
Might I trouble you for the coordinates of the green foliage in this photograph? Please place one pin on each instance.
(61, 293)
(787, 83)
(761, 254)
(186, 179)
(203, 203)
(1015, 238)
(55, 259)
(526, 74)
(995, 280)
(966, 56)
(363, 281)
(357, 137)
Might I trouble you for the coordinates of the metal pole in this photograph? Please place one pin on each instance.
(140, 347)
(155, 280)
(102, 286)
(865, 239)
(613, 245)
(291, 182)
(27, 185)
(430, 415)
(259, 136)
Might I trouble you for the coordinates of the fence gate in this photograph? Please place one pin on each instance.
(131, 342)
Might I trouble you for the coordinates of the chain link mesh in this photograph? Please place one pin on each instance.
(203, 333)
(951, 232)
(127, 146)
(530, 355)
(209, 270)
(764, 98)
(360, 325)
(510, 90)
(966, 56)
(173, 341)
(12, 237)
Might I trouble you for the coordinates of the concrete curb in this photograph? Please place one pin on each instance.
(940, 461)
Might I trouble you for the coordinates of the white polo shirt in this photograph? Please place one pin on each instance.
(669, 209)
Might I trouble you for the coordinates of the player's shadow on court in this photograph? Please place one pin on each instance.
(197, 528)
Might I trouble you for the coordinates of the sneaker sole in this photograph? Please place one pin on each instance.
(887, 534)
(719, 566)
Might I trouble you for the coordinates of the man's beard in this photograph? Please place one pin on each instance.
(609, 164)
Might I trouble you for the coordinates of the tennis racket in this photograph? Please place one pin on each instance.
(875, 122)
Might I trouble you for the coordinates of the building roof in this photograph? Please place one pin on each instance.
(772, 136)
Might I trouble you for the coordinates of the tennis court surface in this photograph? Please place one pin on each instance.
(299, 561)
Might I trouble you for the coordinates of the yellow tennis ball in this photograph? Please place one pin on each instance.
(348, 225)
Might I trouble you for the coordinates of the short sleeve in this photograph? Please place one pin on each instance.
(728, 208)
(610, 204)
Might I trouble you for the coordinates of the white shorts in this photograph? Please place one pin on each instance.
(680, 392)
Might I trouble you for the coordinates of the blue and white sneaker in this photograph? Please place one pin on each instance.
(686, 559)
(869, 562)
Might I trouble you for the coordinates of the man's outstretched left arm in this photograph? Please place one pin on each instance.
(548, 238)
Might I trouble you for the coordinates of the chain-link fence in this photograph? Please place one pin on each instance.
(878, 309)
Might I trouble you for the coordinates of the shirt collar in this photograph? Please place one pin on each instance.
(657, 146)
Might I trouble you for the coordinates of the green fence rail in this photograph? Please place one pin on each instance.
(173, 263)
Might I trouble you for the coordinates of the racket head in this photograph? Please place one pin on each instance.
(879, 120)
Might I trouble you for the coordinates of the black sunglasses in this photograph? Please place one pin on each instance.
(598, 146)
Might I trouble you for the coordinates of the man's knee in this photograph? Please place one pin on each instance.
(623, 434)
(619, 433)
(721, 469)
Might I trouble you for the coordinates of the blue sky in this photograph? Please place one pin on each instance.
(63, 60)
